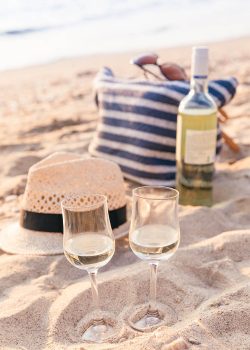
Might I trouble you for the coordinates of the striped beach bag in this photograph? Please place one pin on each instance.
(137, 125)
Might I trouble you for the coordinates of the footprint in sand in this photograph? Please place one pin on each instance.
(22, 165)
(19, 147)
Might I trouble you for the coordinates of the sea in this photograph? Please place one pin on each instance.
(39, 31)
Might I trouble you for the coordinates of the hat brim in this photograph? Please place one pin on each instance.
(15, 239)
(18, 240)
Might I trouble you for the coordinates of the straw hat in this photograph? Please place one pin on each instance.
(40, 228)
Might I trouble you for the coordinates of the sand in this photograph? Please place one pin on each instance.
(43, 299)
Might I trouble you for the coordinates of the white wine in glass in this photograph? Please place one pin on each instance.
(89, 250)
(163, 245)
(89, 244)
(154, 236)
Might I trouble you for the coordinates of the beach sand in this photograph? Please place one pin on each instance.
(50, 108)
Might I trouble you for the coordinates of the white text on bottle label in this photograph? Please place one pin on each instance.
(200, 147)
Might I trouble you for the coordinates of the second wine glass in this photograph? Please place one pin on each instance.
(154, 236)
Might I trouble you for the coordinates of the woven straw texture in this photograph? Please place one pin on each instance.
(61, 174)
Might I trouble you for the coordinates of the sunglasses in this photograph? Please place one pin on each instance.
(170, 71)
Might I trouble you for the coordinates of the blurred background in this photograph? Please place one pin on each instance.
(40, 31)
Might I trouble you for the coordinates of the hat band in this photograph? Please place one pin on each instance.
(43, 222)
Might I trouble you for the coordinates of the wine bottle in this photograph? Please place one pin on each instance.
(196, 136)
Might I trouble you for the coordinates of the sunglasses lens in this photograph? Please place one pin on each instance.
(173, 72)
(144, 59)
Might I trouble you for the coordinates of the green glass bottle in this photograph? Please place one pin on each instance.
(196, 136)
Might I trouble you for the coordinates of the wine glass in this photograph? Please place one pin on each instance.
(89, 244)
(154, 236)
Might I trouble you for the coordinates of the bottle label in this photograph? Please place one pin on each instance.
(200, 146)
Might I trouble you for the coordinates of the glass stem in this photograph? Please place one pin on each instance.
(153, 279)
(94, 288)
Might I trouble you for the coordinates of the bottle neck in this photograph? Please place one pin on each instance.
(199, 84)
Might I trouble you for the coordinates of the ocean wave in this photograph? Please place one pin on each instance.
(61, 21)
(23, 31)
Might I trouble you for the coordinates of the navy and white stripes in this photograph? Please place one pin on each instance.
(137, 127)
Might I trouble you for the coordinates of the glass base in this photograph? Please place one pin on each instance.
(146, 319)
(98, 332)
(98, 327)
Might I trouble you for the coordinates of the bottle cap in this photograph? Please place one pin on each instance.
(200, 62)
